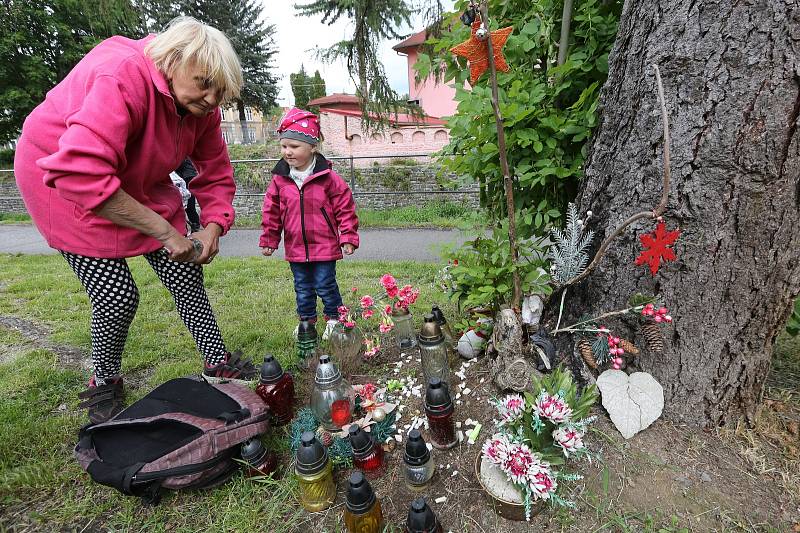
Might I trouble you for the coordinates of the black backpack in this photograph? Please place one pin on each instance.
(184, 434)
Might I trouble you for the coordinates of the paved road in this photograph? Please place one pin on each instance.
(376, 244)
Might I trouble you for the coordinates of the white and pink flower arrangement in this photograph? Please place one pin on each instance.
(371, 310)
(537, 433)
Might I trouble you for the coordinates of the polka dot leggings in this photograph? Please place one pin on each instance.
(114, 297)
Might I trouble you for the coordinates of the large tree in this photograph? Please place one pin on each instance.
(732, 83)
(42, 40)
(242, 21)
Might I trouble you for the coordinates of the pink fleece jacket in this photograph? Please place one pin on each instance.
(111, 124)
(315, 219)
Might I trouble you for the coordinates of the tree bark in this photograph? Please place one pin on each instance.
(732, 88)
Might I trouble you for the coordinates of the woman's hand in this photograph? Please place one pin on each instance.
(348, 248)
(267, 251)
(209, 237)
(179, 247)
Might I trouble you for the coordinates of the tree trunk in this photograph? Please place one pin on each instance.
(243, 122)
(732, 89)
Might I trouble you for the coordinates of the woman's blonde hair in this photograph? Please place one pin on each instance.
(186, 41)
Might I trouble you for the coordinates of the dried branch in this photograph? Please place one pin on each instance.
(656, 212)
(507, 181)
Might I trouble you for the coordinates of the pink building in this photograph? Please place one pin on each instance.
(437, 100)
(340, 120)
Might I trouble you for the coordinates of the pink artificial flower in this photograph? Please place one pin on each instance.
(388, 281)
(385, 328)
(542, 484)
(366, 315)
(518, 462)
(367, 302)
(353, 289)
(569, 439)
(511, 407)
(349, 324)
(496, 448)
(343, 310)
(387, 309)
(391, 292)
(553, 408)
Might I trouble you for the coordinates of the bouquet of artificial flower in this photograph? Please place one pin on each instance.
(537, 433)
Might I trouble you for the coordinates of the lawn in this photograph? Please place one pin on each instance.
(651, 483)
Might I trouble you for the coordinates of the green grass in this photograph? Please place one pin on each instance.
(438, 215)
(14, 218)
(40, 483)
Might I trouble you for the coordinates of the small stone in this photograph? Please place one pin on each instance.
(398, 437)
(458, 425)
(454, 474)
(448, 465)
(466, 391)
(458, 395)
(441, 499)
(460, 435)
(704, 477)
(430, 447)
(458, 402)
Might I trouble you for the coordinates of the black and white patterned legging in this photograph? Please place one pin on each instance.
(114, 297)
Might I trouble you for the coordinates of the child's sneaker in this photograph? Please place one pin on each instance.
(234, 369)
(104, 400)
(329, 329)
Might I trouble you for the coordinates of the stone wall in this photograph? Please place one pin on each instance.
(380, 187)
(10, 202)
(376, 187)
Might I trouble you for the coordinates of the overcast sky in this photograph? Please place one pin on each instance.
(297, 37)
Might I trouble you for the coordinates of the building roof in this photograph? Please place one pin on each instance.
(412, 41)
(350, 106)
(399, 119)
(335, 98)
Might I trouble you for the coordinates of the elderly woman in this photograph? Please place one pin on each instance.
(93, 166)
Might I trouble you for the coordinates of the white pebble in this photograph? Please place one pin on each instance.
(441, 499)
(460, 435)
(427, 445)
(458, 402)
(398, 438)
(466, 391)
(454, 474)
(458, 425)
(448, 465)
(458, 395)
(483, 379)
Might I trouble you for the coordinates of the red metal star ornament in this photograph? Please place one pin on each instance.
(477, 51)
(656, 247)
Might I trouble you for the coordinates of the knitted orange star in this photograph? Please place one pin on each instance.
(477, 51)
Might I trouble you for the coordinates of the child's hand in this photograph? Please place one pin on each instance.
(348, 248)
(268, 251)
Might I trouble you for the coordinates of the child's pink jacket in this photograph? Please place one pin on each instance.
(111, 124)
(315, 219)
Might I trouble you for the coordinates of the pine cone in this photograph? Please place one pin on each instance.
(629, 347)
(652, 333)
(325, 437)
(585, 349)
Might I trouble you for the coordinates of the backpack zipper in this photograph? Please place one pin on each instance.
(182, 470)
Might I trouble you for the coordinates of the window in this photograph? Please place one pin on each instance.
(377, 137)
(440, 135)
(355, 139)
(418, 137)
(397, 138)
(248, 113)
(226, 136)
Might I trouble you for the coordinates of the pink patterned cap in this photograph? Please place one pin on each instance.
(300, 125)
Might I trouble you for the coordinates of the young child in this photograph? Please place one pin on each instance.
(314, 208)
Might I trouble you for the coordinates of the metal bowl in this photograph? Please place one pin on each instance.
(506, 509)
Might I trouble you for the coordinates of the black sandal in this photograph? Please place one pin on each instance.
(103, 401)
